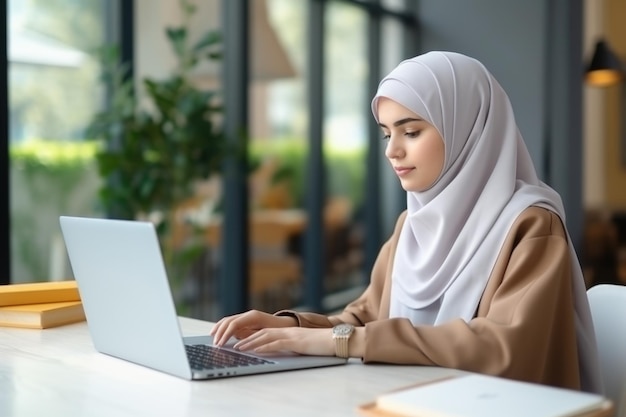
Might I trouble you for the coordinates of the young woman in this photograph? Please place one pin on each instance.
(480, 273)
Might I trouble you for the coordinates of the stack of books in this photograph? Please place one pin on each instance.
(40, 305)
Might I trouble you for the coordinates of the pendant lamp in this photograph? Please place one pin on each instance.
(605, 68)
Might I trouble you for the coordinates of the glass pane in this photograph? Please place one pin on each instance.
(345, 142)
(53, 92)
(278, 152)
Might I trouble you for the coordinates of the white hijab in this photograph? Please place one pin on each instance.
(454, 230)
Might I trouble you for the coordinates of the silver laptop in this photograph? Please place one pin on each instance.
(130, 309)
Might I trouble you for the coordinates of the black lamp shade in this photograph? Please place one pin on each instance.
(605, 68)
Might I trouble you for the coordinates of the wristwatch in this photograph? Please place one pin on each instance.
(341, 336)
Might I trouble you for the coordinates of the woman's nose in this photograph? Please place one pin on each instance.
(393, 149)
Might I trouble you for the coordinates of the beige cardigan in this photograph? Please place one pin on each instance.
(524, 325)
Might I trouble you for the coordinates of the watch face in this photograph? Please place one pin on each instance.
(343, 329)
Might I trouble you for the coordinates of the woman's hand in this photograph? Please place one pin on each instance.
(301, 340)
(245, 324)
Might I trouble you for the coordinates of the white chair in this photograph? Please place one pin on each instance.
(608, 310)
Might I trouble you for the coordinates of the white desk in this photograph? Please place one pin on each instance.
(57, 372)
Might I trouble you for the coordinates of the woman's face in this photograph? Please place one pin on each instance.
(414, 147)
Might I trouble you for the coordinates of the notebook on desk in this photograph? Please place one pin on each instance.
(130, 310)
(477, 395)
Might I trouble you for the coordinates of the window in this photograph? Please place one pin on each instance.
(54, 89)
(282, 117)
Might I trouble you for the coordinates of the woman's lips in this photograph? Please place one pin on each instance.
(401, 171)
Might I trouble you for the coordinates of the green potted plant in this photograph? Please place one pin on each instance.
(151, 156)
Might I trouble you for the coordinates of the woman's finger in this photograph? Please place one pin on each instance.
(249, 321)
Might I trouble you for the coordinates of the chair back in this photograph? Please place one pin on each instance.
(608, 311)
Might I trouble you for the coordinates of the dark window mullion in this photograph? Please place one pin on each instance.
(126, 33)
(372, 183)
(314, 261)
(234, 274)
(5, 226)
(374, 7)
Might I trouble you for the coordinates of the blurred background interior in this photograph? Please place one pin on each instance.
(242, 129)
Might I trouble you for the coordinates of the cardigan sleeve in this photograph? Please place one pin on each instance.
(524, 328)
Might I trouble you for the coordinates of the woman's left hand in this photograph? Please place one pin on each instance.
(305, 341)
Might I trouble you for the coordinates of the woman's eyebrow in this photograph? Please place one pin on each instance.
(403, 121)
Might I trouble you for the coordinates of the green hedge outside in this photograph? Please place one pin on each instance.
(63, 161)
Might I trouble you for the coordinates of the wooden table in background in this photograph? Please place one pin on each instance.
(270, 231)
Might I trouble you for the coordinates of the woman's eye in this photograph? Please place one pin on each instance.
(386, 137)
(413, 134)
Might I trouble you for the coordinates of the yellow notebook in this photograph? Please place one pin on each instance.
(38, 292)
(42, 316)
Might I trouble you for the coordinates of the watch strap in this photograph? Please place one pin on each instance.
(341, 346)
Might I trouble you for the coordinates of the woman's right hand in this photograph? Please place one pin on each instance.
(243, 325)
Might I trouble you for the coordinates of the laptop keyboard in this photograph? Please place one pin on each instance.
(211, 357)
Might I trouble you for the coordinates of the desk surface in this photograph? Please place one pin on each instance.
(57, 372)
